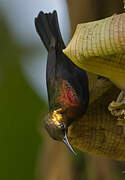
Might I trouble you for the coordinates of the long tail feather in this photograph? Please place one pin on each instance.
(47, 27)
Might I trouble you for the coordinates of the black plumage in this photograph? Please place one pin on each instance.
(67, 84)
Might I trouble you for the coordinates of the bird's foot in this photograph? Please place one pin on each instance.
(117, 108)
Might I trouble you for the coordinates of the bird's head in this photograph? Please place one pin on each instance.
(56, 127)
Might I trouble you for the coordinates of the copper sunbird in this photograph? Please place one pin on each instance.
(67, 84)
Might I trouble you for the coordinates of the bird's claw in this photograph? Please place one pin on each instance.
(117, 108)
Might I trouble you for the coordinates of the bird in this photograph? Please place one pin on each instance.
(67, 84)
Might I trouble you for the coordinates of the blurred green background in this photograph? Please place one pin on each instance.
(20, 110)
(26, 152)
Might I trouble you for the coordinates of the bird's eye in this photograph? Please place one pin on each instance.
(61, 112)
(62, 126)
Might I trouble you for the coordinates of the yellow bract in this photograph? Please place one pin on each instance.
(99, 47)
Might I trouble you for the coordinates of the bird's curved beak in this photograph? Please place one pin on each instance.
(66, 142)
